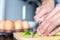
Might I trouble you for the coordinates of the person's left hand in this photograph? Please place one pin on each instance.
(51, 23)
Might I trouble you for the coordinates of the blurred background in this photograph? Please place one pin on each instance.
(18, 9)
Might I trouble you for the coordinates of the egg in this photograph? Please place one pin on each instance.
(2, 24)
(18, 25)
(26, 25)
(9, 26)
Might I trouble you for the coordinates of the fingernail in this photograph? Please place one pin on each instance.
(44, 34)
(39, 33)
(50, 34)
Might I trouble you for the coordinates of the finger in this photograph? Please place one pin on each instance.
(55, 31)
(53, 13)
(44, 25)
(41, 13)
(57, 16)
(44, 10)
(52, 26)
(42, 29)
(38, 10)
(37, 18)
(42, 20)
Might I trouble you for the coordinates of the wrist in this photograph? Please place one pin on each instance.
(49, 2)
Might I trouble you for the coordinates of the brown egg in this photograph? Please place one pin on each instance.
(9, 26)
(18, 25)
(26, 25)
(2, 24)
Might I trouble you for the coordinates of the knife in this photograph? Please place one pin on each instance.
(36, 26)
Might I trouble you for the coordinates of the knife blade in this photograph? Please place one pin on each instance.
(36, 26)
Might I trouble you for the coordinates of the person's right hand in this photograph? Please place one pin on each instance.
(43, 10)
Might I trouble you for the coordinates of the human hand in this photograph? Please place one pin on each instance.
(43, 10)
(51, 23)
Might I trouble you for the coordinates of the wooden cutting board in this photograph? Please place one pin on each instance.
(19, 37)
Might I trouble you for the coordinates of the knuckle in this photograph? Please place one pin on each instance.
(37, 8)
(34, 17)
(35, 12)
